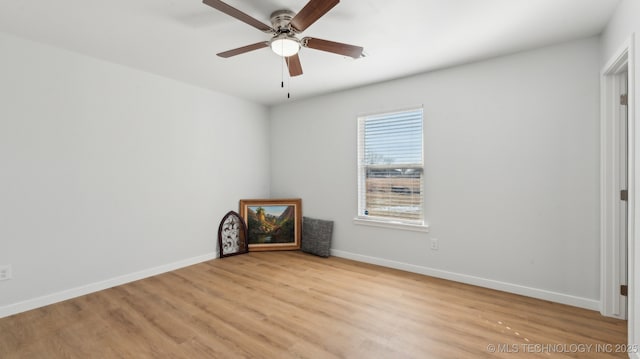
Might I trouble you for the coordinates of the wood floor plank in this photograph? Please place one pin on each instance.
(293, 305)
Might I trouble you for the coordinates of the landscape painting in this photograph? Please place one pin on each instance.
(272, 224)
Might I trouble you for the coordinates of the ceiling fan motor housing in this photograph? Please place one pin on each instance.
(284, 42)
(281, 21)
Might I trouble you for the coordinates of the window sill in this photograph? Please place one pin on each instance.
(391, 224)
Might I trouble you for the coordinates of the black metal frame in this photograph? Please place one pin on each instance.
(243, 245)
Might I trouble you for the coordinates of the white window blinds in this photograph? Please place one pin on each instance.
(390, 167)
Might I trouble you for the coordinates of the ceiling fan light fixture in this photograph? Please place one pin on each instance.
(285, 45)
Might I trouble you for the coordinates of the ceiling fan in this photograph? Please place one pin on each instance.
(285, 25)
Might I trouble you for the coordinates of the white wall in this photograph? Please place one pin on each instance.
(624, 23)
(512, 173)
(109, 174)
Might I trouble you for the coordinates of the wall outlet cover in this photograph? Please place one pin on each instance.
(5, 272)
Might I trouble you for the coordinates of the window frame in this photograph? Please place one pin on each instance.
(382, 221)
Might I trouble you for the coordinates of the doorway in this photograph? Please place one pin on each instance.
(616, 170)
(623, 187)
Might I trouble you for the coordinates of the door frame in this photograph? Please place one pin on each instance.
(611, 303)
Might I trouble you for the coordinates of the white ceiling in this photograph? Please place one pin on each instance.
(179, 39)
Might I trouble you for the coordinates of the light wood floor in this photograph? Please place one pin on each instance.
(293, 305)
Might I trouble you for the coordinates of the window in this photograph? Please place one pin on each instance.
(390, 168)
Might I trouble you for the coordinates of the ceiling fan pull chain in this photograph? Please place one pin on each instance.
(285, 61)
(282, 73)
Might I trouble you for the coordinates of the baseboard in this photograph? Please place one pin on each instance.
(34, 303)
(481, 282)
(586, 303)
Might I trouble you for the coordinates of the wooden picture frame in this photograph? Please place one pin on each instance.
(272, 224)
(232, 235)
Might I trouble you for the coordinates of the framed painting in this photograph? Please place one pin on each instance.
(272, 224)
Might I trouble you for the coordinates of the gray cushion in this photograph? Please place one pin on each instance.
(316, 236)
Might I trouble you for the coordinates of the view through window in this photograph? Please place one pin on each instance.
(390, 167)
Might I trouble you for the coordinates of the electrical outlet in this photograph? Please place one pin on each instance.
(5, 272)
(434, 244)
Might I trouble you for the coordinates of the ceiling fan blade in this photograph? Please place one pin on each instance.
(295, 68)
(242, 50)
(331, 46)
(311, 12)
(231, 11)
